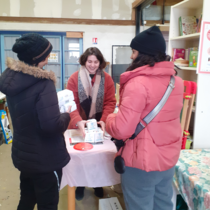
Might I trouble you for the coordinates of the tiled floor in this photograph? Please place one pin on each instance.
(9, 187)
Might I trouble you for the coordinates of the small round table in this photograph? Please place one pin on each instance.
(92, 168)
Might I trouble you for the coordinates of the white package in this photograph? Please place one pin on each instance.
(66, 99)
(92, 125)
(99, 136)
(64, 107)
(89, 136)
(95, 136)
(65, 95)
(109, 204)
(72, 104)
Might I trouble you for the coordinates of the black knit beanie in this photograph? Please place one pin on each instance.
(149, 42)
(32, 48)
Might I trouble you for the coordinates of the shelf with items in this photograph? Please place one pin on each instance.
(195, 36)
(188, 68)
(177, 41)
(177, 12)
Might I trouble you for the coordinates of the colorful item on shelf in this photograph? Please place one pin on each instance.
(199, 23)
(187, 55)
(178, 53)
(181, 62)
(4, 122)
(188, 25)
(189, 98)
(193, 58)
(187, 52)
(186, 97)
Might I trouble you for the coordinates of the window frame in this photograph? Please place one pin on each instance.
(62, 36)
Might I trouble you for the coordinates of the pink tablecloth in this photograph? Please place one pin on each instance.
(93, 168)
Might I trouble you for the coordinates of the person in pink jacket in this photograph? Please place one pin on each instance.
(150, 157)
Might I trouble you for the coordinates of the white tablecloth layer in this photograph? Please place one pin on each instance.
(92, 168)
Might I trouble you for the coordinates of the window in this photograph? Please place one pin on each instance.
(63, 59)
(7, 42)
(72, 52)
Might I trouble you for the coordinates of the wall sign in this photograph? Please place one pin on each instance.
(204, 49)
(53, 58)
(95, 40)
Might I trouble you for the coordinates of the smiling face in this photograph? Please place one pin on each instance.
(92, 64)
(134, 54)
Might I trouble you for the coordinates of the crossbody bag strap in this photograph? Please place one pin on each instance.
(156, 110)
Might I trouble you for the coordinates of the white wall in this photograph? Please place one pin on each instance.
(202, 118)
(96, 9)
(107, 35)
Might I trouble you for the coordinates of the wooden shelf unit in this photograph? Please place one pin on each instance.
(185, 8)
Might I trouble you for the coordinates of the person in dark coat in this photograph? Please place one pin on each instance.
(38, 150)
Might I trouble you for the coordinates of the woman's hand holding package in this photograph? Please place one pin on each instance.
(69, 109)
(81, 126)
(103, 125)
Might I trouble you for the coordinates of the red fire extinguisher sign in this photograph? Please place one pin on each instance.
(95, 40)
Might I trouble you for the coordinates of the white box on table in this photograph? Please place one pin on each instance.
(89, 136)
(94, 136)
(99, 136)
(109, 204)
(92, 125)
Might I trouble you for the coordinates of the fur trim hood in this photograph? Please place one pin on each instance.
(20, 66)
(20, 76)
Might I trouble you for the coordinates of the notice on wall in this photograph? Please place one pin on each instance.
(53, 58)
(95, 40)
(204, 49)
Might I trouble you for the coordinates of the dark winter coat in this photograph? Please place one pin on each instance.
(38, 141)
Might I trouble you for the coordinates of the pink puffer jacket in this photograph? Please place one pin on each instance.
(158, 146)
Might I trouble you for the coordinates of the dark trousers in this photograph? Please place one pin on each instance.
(41, 189)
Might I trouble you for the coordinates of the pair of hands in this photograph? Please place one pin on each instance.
(81, 126)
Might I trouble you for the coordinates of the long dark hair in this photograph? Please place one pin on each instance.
(143, 60)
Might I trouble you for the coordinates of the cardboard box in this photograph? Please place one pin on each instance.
(109, 204)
